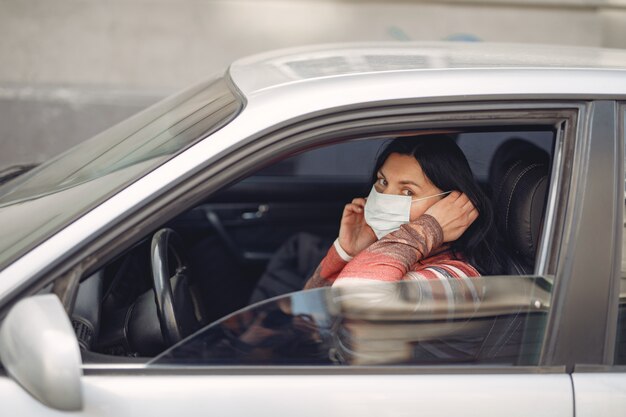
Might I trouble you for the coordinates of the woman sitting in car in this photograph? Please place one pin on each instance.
(425, 218)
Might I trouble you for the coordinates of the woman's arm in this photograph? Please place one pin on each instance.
(330, 267)
(354, 235)
(393, 256)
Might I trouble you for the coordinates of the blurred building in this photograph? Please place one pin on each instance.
(71, 68)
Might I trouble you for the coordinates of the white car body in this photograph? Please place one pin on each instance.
(284, 88)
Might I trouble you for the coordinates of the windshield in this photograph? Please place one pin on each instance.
(40, 202)
(489, 320)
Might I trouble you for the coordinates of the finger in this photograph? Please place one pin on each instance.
(353, 208)
(472, 215)
(467, 204)
(463, 196)
(448, 199)
(466, 219)
(359, 201)
(454, 195)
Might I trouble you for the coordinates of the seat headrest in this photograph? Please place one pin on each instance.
(519, 175)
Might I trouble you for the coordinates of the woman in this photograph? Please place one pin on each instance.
(425, 217)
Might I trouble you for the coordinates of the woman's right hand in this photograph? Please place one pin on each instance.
(354, 233)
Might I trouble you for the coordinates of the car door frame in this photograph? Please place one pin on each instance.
(304, 134)
(243, 159)
(599, 386)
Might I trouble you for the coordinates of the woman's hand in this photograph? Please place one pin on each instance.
(354, 233)
(454, 213)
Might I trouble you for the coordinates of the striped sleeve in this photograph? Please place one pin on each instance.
(394, 255)
(451, 281)
(449, 286)
(328, 270)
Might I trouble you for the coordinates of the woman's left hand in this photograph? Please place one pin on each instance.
(454, 213)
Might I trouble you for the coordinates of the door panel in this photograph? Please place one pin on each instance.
(232, 236)
(254, 217)
(600, 394)
(313, 395)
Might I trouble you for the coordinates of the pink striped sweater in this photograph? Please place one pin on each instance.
(414, 251)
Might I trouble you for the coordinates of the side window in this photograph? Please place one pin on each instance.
(480, 147)
(490, 320)
(434, 321)
(338, 160)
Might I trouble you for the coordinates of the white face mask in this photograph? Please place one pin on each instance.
(385, 213)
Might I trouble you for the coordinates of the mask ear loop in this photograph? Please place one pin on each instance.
(430, 196)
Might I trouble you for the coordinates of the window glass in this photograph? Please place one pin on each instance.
(479, 147)
(57, 192)
(486, 320)
(339, 160)
(253, 246)
(346, 160)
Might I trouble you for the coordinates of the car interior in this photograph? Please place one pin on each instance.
(285, 216)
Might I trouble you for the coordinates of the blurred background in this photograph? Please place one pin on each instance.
(72, 68)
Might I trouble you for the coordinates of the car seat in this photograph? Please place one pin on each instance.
(519, 178)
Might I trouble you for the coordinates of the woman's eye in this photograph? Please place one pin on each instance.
(407, 192)
(382, 181)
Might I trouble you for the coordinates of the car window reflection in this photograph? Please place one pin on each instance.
(405, 322)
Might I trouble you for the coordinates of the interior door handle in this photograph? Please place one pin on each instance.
(251, 215)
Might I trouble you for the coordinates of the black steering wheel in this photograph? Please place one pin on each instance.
(178, 303)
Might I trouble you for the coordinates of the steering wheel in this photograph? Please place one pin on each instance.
(178, 304)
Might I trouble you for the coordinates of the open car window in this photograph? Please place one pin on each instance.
(486, 320)
(263, 236)
(338, 161)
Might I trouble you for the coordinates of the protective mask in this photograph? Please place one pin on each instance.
(385, 213)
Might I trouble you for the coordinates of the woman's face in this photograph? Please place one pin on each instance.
(403, 175)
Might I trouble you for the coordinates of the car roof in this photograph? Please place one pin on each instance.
(283, 67)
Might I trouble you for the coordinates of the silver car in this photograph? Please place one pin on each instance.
(136, 268)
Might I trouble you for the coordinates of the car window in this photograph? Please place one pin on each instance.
(251, 247)
(94, 170)
(479, 147)
(485, 320)
(337, 161)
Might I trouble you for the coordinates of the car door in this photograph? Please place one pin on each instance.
(600, 386)
(539, 387)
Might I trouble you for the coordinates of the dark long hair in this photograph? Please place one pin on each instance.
(445, 165)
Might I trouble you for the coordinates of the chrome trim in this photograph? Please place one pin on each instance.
(546, 245)
(474, 369)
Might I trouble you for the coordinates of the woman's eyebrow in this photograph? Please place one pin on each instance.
(409, 182)
(403, 182)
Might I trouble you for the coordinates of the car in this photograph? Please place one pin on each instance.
(135, 268)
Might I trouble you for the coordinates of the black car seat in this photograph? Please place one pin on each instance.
(519, 177)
